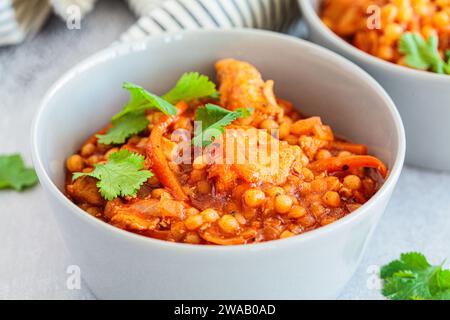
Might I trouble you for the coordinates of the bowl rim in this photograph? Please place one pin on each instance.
(314, 21)
(141, 45)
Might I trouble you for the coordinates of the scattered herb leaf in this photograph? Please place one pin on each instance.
(412, 277)
(14, 174)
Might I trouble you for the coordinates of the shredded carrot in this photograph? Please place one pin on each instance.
(155, 153)
(359, 149)
(217, 239)
(335, 164)
(157, 234)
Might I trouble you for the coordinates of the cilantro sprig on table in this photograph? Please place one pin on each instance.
(132, 120)
(122, 175)
(14, 174)
(423, 54)
(412, 277)
(213, 120)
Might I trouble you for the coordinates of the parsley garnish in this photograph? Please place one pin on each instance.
(190, 86)
(14, 174)
(412, 277)
(125, 126)
(142, 100)
(213, 121)
(132, 120)
(122, 175)
(421, 54)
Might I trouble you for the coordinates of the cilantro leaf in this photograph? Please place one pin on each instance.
(131, 120)
(14, 174)
(412, 277)
(190, 86)
(421, 54)
(142, 100)
(408, 285)
(213, 120)
(413, 261)
(122, 175)
(124, 127)
(447, 66)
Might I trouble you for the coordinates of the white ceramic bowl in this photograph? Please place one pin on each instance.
(119, 264)
(422, 98)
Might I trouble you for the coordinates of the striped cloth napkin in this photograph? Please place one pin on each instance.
(173, 15)
(21, 18)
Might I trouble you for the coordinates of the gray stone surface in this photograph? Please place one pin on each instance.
(33, 260)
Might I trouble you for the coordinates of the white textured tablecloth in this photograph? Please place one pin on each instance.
(33, 260)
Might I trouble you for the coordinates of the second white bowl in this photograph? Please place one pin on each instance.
(422, 98)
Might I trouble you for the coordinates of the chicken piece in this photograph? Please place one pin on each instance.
(253, 156)
(85, 190)
(134, 221)
(311, 145)
(225, 179)
(313, 135)
(143, 215)
(241, 86)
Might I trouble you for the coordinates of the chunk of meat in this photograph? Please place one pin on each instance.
(143, 215)
(85, 190)
(274, 169)
(134, 221)
(225, 179)
(241, 86)
(256, 157)
(311, 145)
(163, 208)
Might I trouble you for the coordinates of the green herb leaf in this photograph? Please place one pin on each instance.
(190, 86)
(142, 100)
(131, 120)
(447, 55)
(128, 125)
(14, 174)
(213, 121)
(122, 175)
(413, 261)
(447, 66)
(412, 277)
(421, 54)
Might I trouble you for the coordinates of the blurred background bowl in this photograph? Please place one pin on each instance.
(422, 98)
